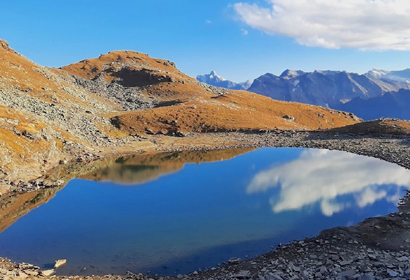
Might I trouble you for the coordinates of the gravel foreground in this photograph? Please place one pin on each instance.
(377, 248)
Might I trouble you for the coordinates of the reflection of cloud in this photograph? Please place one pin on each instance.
(322, 176)
(329, 208)
(369, 196)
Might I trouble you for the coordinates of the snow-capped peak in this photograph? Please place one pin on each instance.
(216, 80)
(209, 78)
(377, 73)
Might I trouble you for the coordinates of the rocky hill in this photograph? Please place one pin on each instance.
(214, 79)
(327, 88)
(113, 103)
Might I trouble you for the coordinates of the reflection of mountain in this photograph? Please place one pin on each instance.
(13, 207)
(132, 169)
(321, 176)
(137, 169)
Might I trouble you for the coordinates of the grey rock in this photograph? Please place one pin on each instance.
(243, 274)
(392, 273)
(347, 273)
(234, 260)
(403, 259)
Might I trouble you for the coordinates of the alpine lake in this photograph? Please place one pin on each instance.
(177, 212)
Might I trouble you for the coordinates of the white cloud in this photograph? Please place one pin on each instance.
(362, 24)
(323, 176)
(244, 32)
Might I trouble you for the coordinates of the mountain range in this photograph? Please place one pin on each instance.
(328, 88)
(340, 90)
(216, 80)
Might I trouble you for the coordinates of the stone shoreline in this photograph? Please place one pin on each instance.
(377, 248)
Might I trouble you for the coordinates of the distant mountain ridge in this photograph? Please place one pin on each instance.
(214, 79)
(390, 105)
(399, 76)
(329, 88)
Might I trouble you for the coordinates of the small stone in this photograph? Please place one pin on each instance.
(323, 270)
(274, 277)
(60, 263)
(366, 277)
(48, 272)
(344, 263)
(22, 275)
(234, 260)
(347, 273)
(243, 274)
(392, 273)
(372, 257)
(31, 272)
(403, 259)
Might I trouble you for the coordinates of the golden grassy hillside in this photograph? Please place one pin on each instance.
(238, 110)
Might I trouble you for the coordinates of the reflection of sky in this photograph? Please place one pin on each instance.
(325, 177)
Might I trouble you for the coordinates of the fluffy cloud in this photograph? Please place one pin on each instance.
(362, 24)
(323, 176)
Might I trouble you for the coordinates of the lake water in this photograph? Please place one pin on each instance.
(162, 214)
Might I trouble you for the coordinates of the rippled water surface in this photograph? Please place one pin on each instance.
(177, 212)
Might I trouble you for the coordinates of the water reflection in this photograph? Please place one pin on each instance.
(325, 177)
(201, 215)
(139, 169)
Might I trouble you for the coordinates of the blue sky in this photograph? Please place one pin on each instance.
(240, 40)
